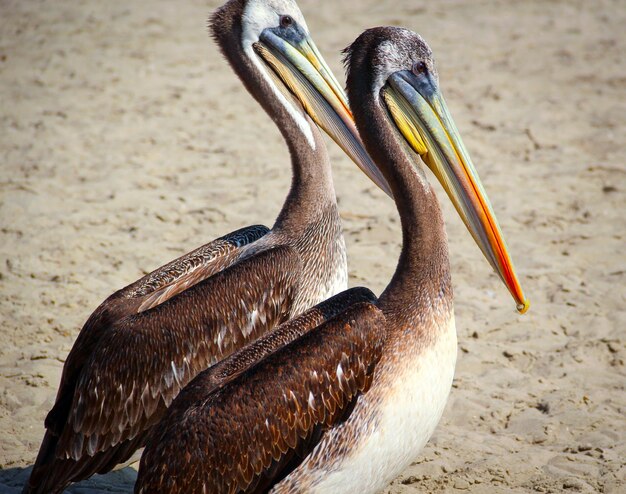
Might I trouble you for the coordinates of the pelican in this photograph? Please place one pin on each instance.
(148, 340)
(344, 405)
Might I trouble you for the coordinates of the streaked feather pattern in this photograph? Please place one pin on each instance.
(283, 404)
(143, 360)
(239, 361)
(130, 299)
(119, 383)
(198, 265)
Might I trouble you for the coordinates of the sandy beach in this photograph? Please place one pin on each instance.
(126, 141)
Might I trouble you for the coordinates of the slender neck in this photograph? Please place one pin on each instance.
(422, 275)
(312, 190)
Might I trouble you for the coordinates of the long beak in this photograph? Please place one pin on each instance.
(298, 65)
(421, 115)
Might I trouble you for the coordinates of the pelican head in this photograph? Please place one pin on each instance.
(405, 83)
(274, 39)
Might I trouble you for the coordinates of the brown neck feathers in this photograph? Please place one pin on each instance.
(312, 179)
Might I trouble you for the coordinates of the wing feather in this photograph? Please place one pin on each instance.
(150, 290)
(188, 270)
(247, 434)
(188, 333)
(232, 366)
(141, 362)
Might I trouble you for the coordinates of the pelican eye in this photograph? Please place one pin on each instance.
(286, 21)
(419, 68)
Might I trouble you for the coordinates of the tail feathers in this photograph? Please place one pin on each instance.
(45, 456)
(51, 475)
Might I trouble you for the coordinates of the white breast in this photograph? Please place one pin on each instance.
(388, 428)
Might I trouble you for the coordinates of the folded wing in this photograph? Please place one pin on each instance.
(140, 363)
(243, 431)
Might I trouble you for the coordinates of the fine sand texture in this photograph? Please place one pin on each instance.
(126, 141)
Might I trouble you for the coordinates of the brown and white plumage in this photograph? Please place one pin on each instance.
(295, 408)
(344, 406)
(147, 341)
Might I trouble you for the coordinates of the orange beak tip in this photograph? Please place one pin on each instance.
(523, 307)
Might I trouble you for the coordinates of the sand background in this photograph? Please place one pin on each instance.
(126, 141)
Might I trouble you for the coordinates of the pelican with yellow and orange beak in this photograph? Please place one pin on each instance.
(344, 397)
(147, 341)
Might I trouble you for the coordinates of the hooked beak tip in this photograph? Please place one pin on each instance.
(523, 307)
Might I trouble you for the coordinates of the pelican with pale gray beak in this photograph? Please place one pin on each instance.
(345, 404)
(147, 341)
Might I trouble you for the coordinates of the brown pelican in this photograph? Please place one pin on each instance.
(148, 340)
(342, 406)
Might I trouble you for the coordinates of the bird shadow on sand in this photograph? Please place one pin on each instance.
(118, 482)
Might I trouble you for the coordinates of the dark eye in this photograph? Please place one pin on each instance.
(286, 21)
(420, 67)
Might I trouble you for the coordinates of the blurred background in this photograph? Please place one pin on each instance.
(127, 141)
